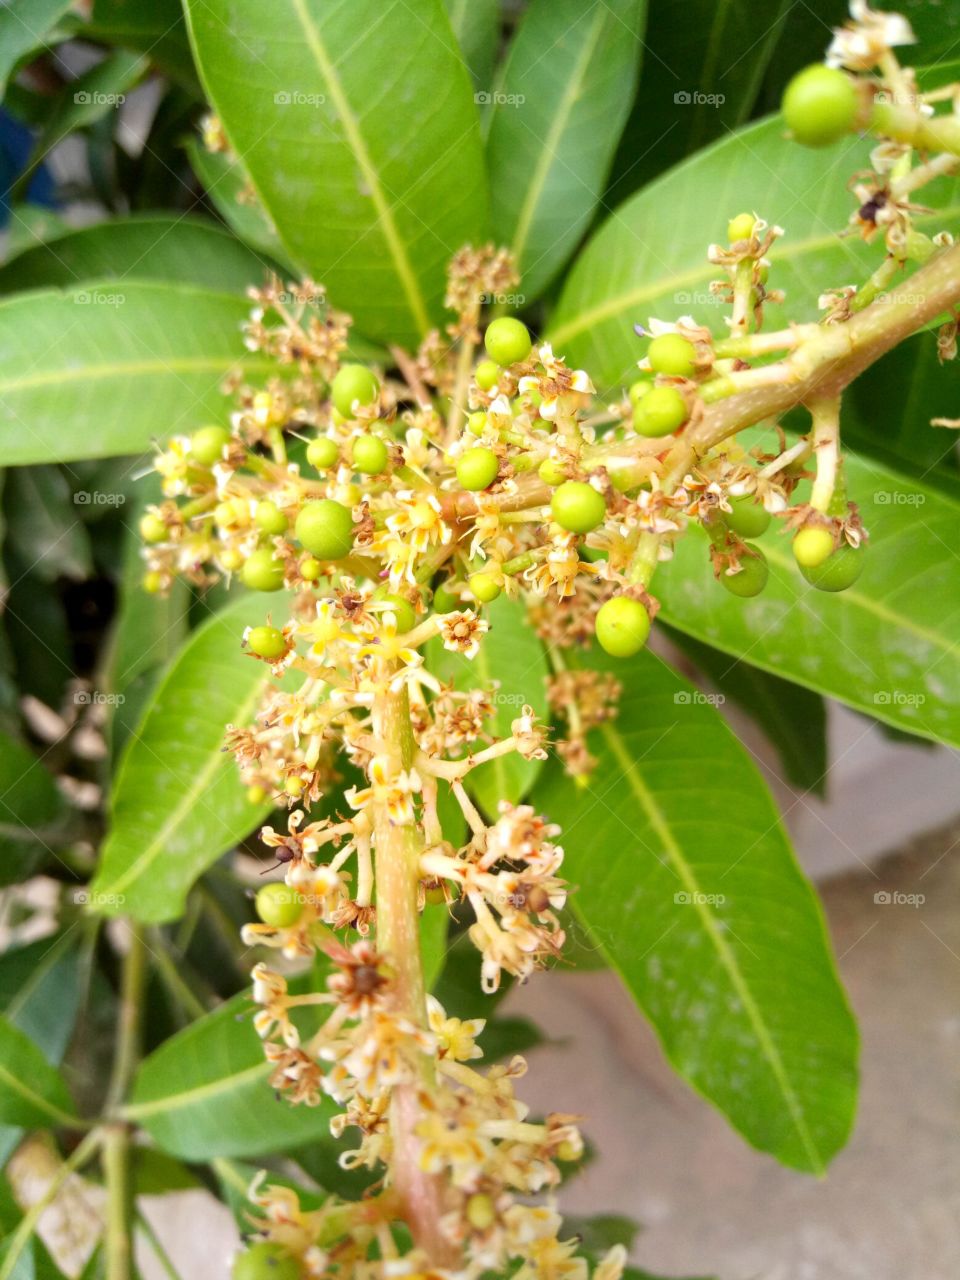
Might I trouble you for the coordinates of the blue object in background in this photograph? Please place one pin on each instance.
(16, 145)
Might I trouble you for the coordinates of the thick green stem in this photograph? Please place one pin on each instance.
(906, 124)
(398, 849)
(118, 1246)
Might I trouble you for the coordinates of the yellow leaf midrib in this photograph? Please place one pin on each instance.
(357, 143)
(187, 801)
(550, 143)
(728, 960)
(585, 320)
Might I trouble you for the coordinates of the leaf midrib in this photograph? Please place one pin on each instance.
(728, 960)
(550, 143)
(200, 1092)
(667, 284)
(186, 803)
(354, 135)
(17, 1086)
(92, 372)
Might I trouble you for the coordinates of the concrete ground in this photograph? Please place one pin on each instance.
(889, 1208)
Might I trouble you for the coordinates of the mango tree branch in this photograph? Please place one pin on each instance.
(819, 368)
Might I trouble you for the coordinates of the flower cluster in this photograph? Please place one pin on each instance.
(395, 508)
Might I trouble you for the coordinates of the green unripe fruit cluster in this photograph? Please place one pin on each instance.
(672, 354)
(622, 626)
(265, 1261)
(477, 468)
(812, 545)
(661, 411)
(484, 587)
(577, 507)
(638, 390)
(262, 571)
(820, 105)
(747, 517)
(266, 642)
(741, 227)
(477, 422)
(152, 528)
(323, 453)
(270, 518)
(839, 571)
(370, 455)
(207, 444)
(325, 528)
(507, 340)
(353, 382)
(486, 375)
(752, 577)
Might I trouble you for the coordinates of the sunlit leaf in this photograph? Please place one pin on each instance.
(687, 880)
(357, 124)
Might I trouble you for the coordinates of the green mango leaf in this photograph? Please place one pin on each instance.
(40, 989)
(145, 246)
(356, 123)
(107, 368)
(701, 77)
(476, 25)
(602, 1231)
(24, 25)
(30, 224)
(650, 257)
(32, 1092)
(227, 185)
(512, 664)
(556, 116)
(687, 879)
(31, 811)
(886, 645)
(157, 1174)
(887, 413)
(44, 526)
(793, 718)
(157, 28)
(83, 101)
(205, 1092)
(178, 802)
(41, 986)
